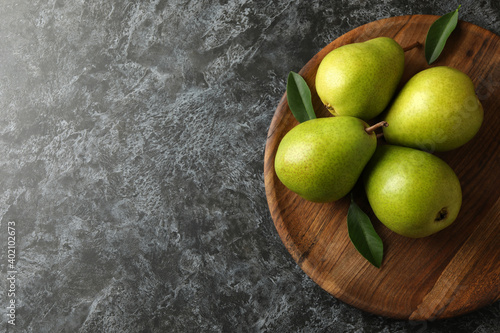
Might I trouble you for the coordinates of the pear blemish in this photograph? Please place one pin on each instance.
(443, 213)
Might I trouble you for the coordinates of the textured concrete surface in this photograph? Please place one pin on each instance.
(132, 138)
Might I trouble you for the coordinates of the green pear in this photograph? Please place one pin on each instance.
(321, 159)
(412, 192)
(437, 110)
(360, 79)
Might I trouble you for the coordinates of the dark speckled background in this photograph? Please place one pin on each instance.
(132, 138)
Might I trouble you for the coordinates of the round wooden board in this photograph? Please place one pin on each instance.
(450, 273)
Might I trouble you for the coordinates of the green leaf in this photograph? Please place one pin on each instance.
(363, 235)
(438, 34)
(299, 99)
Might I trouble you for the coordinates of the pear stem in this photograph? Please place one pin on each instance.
(379, 135)
(411, 46)
(372, 128)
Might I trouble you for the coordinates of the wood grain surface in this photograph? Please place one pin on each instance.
(450, 273)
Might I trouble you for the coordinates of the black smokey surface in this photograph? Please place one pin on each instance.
(132, 138)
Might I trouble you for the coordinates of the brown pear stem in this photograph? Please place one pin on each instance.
(379, 135)
(411, 46)
(370, 129)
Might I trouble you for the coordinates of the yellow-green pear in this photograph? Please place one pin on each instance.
(437, 110)
(360, 79)
(321, 159)
(412, 192)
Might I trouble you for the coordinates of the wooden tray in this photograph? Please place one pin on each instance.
(447, 274)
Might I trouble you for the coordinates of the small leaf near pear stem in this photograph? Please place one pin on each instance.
(438, 34)
(411, 46)
(372, 128)
(363, 236)
(298, 97)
